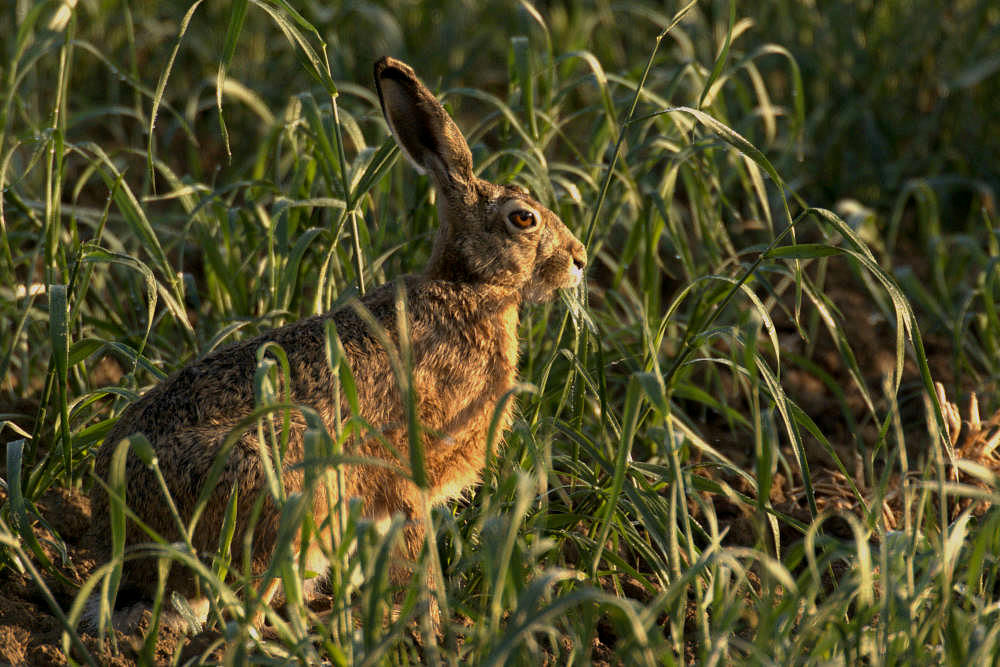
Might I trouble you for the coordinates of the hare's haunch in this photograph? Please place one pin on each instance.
(496, 249)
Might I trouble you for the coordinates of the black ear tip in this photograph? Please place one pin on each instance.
(388, 67)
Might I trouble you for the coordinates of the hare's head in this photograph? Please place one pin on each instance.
(494, 235)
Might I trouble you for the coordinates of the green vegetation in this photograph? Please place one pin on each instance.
(728, 449)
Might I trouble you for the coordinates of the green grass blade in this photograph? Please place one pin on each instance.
(237, 17)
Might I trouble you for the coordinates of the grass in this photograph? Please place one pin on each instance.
(729, 447)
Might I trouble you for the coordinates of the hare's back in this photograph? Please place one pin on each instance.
(217, 391)
(188, 415)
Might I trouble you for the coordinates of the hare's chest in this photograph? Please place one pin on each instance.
(460, 383)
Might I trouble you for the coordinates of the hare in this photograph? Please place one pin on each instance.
(496, 249)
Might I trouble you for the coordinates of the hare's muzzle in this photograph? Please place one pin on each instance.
(579, 255)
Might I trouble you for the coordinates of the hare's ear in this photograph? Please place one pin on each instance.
(423, 129)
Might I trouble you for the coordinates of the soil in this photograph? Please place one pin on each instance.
(31, 633)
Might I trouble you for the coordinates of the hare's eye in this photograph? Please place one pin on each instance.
(522, 219)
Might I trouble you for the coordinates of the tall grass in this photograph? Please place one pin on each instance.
(707, 440)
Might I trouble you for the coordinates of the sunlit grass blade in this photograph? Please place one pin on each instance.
(59, 337)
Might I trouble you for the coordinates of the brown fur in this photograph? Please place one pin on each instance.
(462, 321)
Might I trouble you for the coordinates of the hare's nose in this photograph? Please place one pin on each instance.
(579, 256)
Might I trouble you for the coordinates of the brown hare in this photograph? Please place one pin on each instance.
(496, 249)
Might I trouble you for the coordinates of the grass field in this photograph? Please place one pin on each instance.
(729, 445)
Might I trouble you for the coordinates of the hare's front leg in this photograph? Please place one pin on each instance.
(394, 497)
(413, 540)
